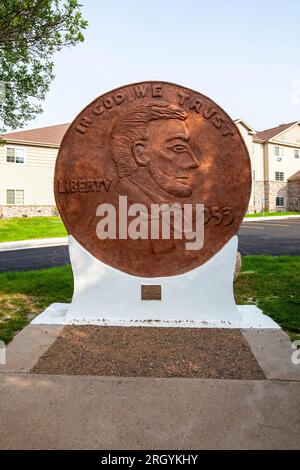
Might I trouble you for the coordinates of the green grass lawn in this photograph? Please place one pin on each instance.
(271, 214)
(32, 227)
(23, 295)
(47, 227)
(270, 282)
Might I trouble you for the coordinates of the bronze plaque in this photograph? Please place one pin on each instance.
(155, 143)
(151, 292)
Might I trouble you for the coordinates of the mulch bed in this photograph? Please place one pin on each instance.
(150, 352)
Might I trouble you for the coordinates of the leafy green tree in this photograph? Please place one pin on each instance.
(31, 31)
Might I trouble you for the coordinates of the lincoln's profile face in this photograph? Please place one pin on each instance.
(155, 138)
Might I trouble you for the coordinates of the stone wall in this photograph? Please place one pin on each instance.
(293, 198)
(275, 189)
(258, 189)
(259, 195)
(270, 190)
(27, 211)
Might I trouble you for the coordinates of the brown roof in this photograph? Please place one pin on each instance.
(45, 135)
(270, 133)
(257, 139)
(295, 177)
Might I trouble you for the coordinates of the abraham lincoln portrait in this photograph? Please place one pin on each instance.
(152, 154)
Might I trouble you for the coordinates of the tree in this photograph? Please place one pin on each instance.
(31, 31)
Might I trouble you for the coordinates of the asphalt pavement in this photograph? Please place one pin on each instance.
(34, 258)
(274, 237)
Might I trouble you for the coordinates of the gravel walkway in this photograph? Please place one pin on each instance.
(150, 352)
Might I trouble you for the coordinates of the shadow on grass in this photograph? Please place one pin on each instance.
(23, 295)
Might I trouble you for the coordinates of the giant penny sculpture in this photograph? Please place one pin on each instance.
(155, 143)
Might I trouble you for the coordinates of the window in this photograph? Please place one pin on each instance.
(297, 153)
(279, 176)
(15, 196)
(15, 155)
(279, 201)
(278, 151)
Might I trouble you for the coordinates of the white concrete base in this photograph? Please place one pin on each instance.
(200, 298)
(249, 316)
(203, 294)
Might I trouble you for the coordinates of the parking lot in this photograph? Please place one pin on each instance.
(270, 237)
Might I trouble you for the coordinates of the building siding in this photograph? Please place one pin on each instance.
(35, 176)
(264, 165)
(288, 164)
(291, 136)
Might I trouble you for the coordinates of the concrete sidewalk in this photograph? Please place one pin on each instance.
(91, 412)
(35, 243)
(75, 412)
(275, 217)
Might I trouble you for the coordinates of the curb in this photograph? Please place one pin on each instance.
(275, 217)
(35, 243)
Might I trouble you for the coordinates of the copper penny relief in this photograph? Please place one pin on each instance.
(156, 143)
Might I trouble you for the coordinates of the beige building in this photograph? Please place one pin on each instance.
(27, 161)
(275, 163)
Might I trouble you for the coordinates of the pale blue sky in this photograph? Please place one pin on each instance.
(243, 55)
